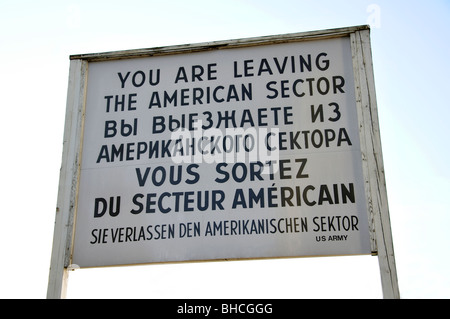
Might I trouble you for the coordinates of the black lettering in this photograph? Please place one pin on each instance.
(140, 206)
(302, 162)
(122, 79)
(322, 65)
(181, 75)
(138, 81)
(270, 88)
(104, 205)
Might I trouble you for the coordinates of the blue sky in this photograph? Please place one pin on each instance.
(410, 55)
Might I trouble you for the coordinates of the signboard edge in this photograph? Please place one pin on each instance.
(372, 158)
(224, 44)
(68, 181)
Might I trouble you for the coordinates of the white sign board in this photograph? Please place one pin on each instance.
(253, 148)
(251, 152)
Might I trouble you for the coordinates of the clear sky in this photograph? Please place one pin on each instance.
(410, 45)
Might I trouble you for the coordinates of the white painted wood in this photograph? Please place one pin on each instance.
(375, 185)
(68, 181)
(218, 45)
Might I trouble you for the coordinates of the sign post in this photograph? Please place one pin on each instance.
(373, 162)
(257, 148)
(68, 181)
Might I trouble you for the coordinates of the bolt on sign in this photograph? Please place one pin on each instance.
(253, 148)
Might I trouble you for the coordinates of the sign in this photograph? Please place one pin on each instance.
(249, 152)
(253, 148)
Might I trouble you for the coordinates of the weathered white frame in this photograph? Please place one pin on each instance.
(372, 159)
(375, 186)
(68, 180)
